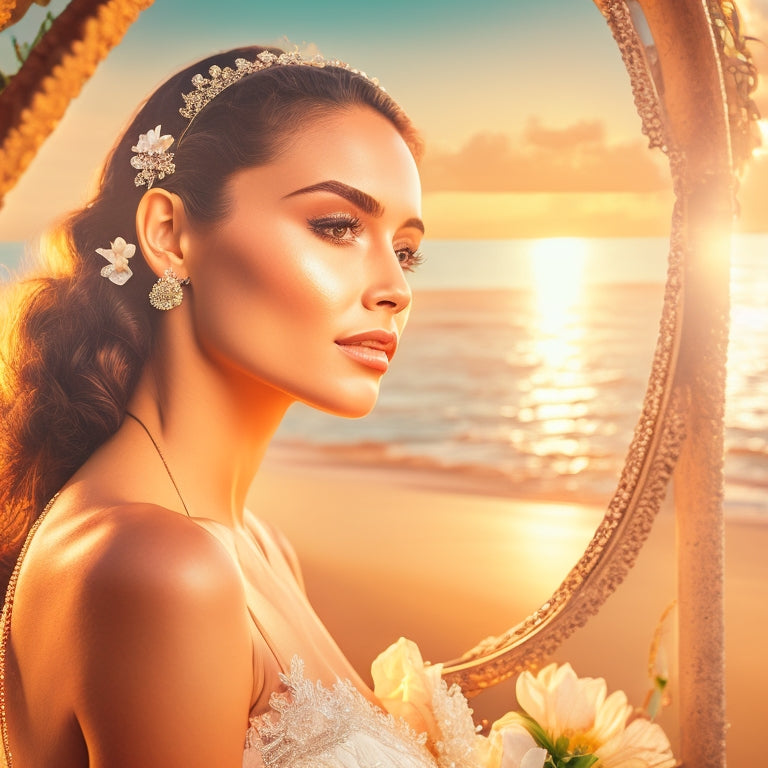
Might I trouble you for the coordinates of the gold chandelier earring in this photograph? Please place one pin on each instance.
(166, 293)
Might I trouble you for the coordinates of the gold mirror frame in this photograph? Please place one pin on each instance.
(691, 82)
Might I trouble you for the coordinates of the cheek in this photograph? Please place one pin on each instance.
(401, 318)
(257, 298)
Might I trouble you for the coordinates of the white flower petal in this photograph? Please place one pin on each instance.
(107, 253)
(558, 700)
(578, 713)
(611, 717)
(642, 744)
(121, 277)
(123, 249)
(405, 685)
(516, 744)
(534, 758)
(531, 693)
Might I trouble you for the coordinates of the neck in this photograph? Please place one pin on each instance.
(212, 426)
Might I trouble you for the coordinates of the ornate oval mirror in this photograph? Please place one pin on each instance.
(524, 381)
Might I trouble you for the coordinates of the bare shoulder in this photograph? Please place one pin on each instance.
(163, 653)
(142, 547)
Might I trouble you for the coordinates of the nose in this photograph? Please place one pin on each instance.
(386, 284)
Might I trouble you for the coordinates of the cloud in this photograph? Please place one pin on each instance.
(478, 215)
(576, 158)
(584, 133)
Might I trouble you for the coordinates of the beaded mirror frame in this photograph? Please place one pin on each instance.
(691, 77)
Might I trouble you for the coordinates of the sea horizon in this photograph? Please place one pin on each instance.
(530, 387)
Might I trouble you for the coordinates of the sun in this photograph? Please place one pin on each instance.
(557, 266)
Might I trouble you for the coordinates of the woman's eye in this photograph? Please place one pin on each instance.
(336, 229)
(409, 259)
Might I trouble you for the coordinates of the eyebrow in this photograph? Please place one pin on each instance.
(357, 197)
(415, 223)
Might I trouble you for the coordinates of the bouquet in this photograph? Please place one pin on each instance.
(565, 721)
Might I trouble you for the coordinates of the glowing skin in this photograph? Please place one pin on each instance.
(313, 253)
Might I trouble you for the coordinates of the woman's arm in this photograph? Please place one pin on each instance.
(163, 648)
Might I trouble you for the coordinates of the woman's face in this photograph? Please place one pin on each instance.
(302, 287)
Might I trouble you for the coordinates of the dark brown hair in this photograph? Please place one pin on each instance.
(73, 344)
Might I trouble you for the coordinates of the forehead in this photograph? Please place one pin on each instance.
(357, 146)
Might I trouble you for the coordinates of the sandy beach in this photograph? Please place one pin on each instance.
(391, 552)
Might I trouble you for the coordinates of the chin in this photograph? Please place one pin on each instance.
(353, 403)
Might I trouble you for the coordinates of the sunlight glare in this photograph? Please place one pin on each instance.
(762, 148)
(557, 265)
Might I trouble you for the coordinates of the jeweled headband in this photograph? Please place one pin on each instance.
(152, 157)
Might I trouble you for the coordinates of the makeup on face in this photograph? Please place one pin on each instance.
(303, 287)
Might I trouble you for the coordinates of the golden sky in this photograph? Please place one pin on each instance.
(525, 108)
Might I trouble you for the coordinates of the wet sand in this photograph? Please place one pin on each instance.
(389, 552)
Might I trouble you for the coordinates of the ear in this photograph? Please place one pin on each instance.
(160, 221)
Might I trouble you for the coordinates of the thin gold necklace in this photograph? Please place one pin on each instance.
(162, 458)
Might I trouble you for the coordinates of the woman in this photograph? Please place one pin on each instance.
(257, 258)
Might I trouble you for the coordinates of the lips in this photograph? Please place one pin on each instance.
(371, 348)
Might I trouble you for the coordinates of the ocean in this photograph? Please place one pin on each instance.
(524, 365)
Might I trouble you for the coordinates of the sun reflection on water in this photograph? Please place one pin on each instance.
(559, 391)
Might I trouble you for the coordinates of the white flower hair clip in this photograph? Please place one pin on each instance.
(117, 271)
(152, 157)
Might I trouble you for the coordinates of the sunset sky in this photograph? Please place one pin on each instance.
(525, 107)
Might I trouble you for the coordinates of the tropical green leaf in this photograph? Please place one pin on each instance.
(22, 50)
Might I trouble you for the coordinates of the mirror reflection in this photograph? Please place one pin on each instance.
(513, 405)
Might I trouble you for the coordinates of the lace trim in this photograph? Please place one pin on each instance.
(460, 745)
(311, 725)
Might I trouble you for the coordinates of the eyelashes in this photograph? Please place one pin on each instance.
(337, 228)
(344, 229)
(409, 259)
